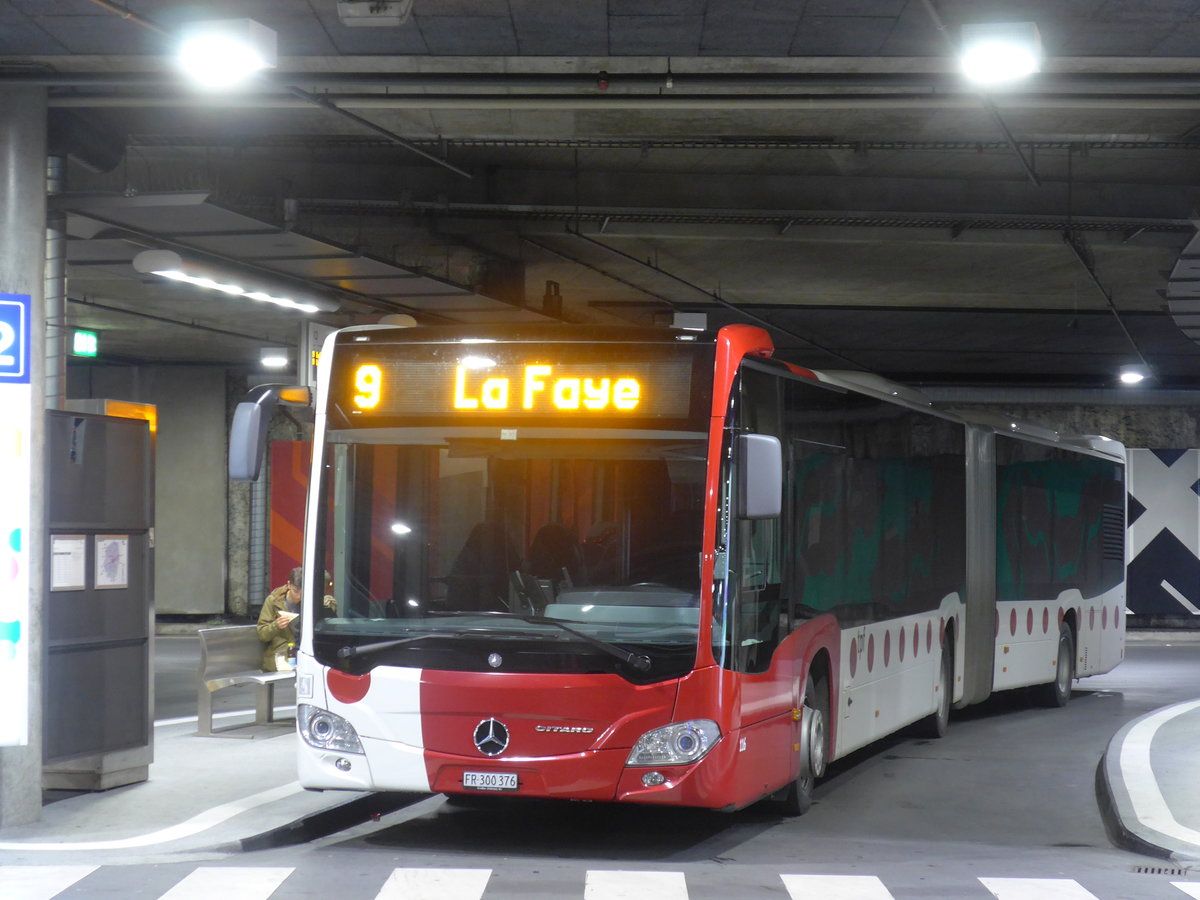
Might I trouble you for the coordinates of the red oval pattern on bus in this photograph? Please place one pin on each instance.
(347, 688)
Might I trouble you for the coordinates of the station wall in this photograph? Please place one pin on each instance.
(190, 475)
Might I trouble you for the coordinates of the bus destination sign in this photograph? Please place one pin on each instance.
(471, 386)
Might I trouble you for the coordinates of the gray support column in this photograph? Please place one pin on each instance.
(56, 288)
(22, 249)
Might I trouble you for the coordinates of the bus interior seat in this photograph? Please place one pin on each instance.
(478, 579)
(554, 554)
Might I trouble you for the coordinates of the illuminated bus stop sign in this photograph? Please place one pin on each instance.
(16, 414)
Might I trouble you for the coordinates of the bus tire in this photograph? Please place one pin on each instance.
(797, 798)
(1058, 691)
(937, 723)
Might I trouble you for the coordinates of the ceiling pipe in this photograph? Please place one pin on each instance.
(312, 99)
(1079, 251)
(629, 101)
(378, 129)
(940, 82)
(130, 16)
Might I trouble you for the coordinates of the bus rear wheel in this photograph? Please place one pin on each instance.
(1058, 691)
(797, 798)
(937, 723)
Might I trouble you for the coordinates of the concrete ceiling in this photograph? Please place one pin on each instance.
(813, 165)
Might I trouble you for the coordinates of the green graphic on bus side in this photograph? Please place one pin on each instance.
(877, 552)
(1049, 527)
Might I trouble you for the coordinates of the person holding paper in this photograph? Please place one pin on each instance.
(278, 623)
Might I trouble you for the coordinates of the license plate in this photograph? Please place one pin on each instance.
(490, 781)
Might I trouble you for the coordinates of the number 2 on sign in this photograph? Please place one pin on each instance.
(8, 337)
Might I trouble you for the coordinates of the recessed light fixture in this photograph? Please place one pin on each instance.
(1001, 52)
(1133, 374)
(222, 53)
(274, 357)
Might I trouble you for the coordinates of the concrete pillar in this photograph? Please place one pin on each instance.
(22, 257)
(56, 288)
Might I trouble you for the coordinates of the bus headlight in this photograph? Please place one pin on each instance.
(675, 745)
(322, 729)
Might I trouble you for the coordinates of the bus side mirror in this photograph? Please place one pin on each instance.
(251, 418)
(759, 459)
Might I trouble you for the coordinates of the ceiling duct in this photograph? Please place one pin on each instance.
(374, 13)
(1183, 290)
(96, 149)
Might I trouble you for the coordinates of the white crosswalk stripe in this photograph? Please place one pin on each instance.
(242, 883)
(632, 885)
(835, 887)
(1036, 889)
(435, 884)
(39, 882)
(264, 882)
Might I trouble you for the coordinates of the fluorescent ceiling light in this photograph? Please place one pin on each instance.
(225, 52)
(1133, 374)
(1000, 53)
(174, 267)
(274, 357)
(690, 321)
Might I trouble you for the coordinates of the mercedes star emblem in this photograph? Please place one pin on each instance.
(491, 737)
(495, 660)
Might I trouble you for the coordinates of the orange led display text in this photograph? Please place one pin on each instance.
(368, 384)
(540, 387)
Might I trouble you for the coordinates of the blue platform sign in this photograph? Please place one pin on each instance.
(16, 464)
(14, 338)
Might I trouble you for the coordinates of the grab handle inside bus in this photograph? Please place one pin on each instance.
(759, 461)
(251, 418)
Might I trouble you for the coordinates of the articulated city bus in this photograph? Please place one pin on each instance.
(661, 566)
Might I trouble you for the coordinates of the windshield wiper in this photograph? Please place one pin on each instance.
(349, 652)
(640, 662)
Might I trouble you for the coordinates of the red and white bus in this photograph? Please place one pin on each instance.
(661, 566)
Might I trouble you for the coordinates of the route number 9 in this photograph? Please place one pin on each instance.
(368, 381)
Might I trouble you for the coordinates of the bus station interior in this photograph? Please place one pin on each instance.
(817, 168)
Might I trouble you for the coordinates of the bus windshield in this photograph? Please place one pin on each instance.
(546, 550)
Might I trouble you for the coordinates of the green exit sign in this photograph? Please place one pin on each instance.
(84, 343)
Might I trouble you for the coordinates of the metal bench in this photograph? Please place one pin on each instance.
(231, 656)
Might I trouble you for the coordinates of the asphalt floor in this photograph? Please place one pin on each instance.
(207, 795)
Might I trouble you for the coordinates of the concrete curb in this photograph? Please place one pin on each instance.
(1118, 809)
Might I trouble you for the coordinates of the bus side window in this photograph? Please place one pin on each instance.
(761, 619)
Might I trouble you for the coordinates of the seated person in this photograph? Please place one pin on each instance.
(279, 620)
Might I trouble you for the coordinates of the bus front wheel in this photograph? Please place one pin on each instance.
(814, 741)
